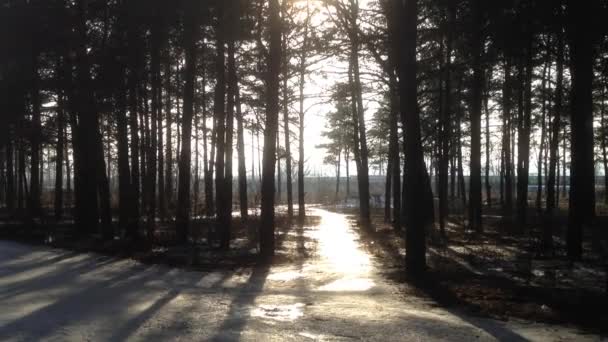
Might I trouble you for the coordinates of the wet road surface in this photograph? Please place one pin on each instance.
(335, 294)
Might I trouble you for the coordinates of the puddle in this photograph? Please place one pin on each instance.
(348, 285)
(282, 313)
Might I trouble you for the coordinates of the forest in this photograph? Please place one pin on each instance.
(465, 141)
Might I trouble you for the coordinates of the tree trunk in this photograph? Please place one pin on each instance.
(168, 196)
(476, 99)
(267, 239)
(552, 197)
(446, 127)
(582, 176)
(363, 173)
(232, 85)
(415, 176)
(523, 134)
(220, 119)
(543, 123)
(34, 205)
(301, 112)
(183, 196)
(604, 138)
(488, 140)
(89, 139)
(506, 142)
(242, 169)
(288, 181)
(132, 80)
(59, 157)
(387, 186)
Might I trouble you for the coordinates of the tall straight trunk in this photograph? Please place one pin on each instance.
(288, 180)
(506, 142)
(301, 112)
(34, 204)
(565, 179)
(476, 101)
(89, 138)
(220, 119)
(486, 99)
(68, 166)
(543, 132)
(453, 172)
(103, 188)
(387, 187)
(160, 147)
(604, 137)
(132, 81)
(416, 181)
(155, 118)
(242, 169)
(266, 234)
(183, 195)
(278, 181)
(168, 196)
(446, 127)
(22, 192)
(462, 194)
(347, 161)
(396, 160)
(355, 132)
(207, 168)
(196, 172)
(232, 85)
(523, 135)
(582, 175)
(59, 159)
(210, 205)
(126, 217)
(552, 199)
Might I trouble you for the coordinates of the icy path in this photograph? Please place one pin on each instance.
(336, 295)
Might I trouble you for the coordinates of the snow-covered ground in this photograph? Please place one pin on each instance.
(336, 295)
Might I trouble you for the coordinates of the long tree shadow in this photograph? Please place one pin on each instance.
(240, 307)
(41, 322)
(24, 266)
(65, 275)
(129, 327)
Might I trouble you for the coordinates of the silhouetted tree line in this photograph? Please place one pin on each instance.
(127, 92)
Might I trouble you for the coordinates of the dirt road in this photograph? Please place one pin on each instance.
(335, 294)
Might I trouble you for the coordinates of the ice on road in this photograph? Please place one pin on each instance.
(337, 294)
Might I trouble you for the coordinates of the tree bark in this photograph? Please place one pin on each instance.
(415, 178)
(183, 196)
(475, 222)
(523, 133)
(267, 238)
(506, 142)
(582, 176)
(288, 172)
(242, 169)
(220, 119)
(34, 205)
(59, 157)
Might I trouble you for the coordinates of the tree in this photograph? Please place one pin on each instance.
(183, 190)
(266, 234)
(416, 180)
(476, 100)
(582, 172)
